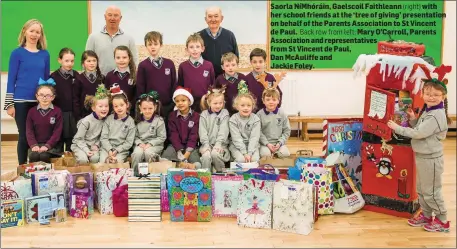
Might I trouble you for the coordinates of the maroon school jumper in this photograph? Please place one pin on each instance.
(44, 126)
(183, 131)
(256, 88)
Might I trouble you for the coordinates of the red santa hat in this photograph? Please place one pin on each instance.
(386, 158)
(183, 91)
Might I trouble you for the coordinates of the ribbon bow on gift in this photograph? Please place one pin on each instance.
(145, 176)
(50, 81)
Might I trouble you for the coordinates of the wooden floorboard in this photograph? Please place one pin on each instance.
(363, 229)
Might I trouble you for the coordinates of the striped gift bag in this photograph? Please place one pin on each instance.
(144, 198)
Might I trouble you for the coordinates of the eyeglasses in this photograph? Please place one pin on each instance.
(428, 95)
(47, 96)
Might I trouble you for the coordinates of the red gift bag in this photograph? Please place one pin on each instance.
(389, 179)
(121, 201)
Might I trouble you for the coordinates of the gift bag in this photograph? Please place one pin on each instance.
(82, 206)
(121, 201)
(293, 207)
(144, 198)
(321, 177)
(106, 182)
(54, 181)
(100, 167)
(81, 195)
(225, 194)
(164, 196)
(160, 167)
(190, 194)
(26, 170)
(12, 213)
(348, 198)
(14, 187)
(263, 172)
(255, 198)
(43, 207)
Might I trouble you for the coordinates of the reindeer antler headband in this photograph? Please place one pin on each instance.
(440, 71)
(261, 78)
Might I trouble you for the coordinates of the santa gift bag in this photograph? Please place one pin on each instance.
(14, 187)
(255, 199)
(293, 207)
(190, 194)
(225, 194)
(144, 198)
(53, 181)
(348, 198)
(106, 182)
(321, 177)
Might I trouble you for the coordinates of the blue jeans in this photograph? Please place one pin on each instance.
(20, 116)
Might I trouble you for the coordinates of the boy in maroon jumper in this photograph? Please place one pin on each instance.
(157, 73)
(44, 125)
(183, 131)
(230, 79)
(196, 73)
(258, 57)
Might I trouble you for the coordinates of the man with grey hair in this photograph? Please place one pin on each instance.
(104, 42)
(218, 40)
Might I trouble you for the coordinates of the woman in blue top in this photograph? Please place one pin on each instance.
(28, 63)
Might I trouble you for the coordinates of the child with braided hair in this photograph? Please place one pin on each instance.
(86, 142)
(150, 130)
(426, 134)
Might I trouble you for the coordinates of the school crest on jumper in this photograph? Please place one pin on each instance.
(279, 121)
(167, 71)
(218, 121)
(248, 127)
(205, 73)
(191, 124)
(151, 129)
(125, 128)
(270, 84)
(52, 120)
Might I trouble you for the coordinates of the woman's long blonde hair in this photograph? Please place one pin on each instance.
(41, 42)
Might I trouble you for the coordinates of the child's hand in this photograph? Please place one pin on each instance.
(218, 150)
(277, 146)
(247, 158)
(94, 148)
(392, 125)
(271, 147)
(180, 156)
(36, 149)
(146, 146)
(114, 153)
(411, 114)
(43, 149)
(187, 155)
(90, 153)
(141, 145)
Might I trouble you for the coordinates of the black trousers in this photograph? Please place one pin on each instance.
(20, 116)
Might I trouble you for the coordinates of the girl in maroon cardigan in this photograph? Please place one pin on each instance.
(44, 124)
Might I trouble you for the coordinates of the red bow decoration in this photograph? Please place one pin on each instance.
(185, 88)
(441, 71)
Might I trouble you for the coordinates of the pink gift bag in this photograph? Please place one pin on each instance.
(121, 201)
(165, 203)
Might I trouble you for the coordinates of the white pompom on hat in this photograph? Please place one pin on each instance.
(183, 91)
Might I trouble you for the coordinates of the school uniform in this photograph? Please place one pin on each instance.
(151, 132)
(183, 136)
(245, 133)
(64, 92)
(125, 83)
(231, 89)
(44, 128)
(88, 134)
(196, 75)
(256, 88)
(157, 75)
(275, 130)
(213, 131)
(426, 135)
(117, 134)
(86, 84)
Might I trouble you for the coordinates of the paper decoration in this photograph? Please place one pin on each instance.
(144, 199)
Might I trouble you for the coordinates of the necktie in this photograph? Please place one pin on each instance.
(231, 79)
(196, 63)
(91, 77)
(122, 74)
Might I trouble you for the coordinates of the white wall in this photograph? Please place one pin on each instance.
(325, 93)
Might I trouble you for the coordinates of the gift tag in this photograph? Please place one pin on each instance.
(43, 182)
(73, 202)
(143, 168)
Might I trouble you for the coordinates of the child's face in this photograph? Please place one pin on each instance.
(270, 103)
(245, 107)
(67, 62)
(182, 103)
(195, 50)
(229, 67)
(101, 108)
(45, 96)
(122, 59)
(120, 107)
(432, 96)
(33, 33)
(147, 108)
(153, 48)
(258, 64)
(217, 103)
(90, 64)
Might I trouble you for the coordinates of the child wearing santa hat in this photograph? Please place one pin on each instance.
(183, 131)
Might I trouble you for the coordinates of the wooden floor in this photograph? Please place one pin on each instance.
(363, 229)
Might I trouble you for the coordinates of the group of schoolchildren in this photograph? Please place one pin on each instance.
(152, 113)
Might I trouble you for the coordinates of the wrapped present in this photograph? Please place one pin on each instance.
(190, 194)
(12, 213)
(344, 135)
(82, 205)
(160, 167)
(43, 207)
(255, 198)
(392, 167)
(321, 177)
(14, 187)
(101, 167)
(243, 166)
(121, 201)
(225, 194)
(106, 182)
(164, 196)
(293, 207)
(80, 183)
(144, 198)
(26, 170)
(401, 48)
(54, 181)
